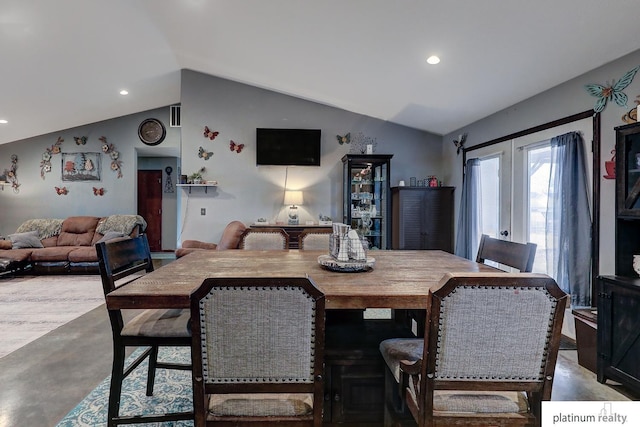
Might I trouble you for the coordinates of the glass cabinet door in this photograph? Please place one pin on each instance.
(366, 197)
(628, 170)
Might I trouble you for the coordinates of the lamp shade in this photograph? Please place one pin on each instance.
(292, 197)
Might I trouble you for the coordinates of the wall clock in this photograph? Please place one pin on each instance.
(151, 131)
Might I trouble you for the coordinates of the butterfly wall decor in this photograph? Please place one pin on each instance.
(208, 133)
(82, 140)
(459, 143)
(204, 154)
(62, 191)
(235, 147)
(98, 191)
(345, 139)
(612, 91)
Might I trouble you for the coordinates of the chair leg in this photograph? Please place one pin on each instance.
(151, 375)
(115, 390)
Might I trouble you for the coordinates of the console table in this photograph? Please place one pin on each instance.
(293, 230)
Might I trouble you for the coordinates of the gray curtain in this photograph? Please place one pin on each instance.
(467, 240)
(568, 219)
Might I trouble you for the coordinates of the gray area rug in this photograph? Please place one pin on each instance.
(32, 306)
(172, 392)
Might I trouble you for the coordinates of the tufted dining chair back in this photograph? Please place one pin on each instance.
(266, 365)
(489, 351)
(258, 239)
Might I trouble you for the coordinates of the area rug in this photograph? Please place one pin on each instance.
(172, 393)
(31, 306)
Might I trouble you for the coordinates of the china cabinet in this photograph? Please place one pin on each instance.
(618, 329)
(366, 197)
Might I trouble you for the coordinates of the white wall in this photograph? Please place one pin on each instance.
(564, 100)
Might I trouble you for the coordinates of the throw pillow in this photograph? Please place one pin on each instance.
(110, 235)
(30, 239)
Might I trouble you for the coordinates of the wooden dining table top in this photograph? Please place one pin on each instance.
(399, 279)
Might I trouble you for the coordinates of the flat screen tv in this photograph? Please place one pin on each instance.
(288, 147)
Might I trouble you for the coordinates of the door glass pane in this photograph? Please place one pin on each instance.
(490, 198)
(538, 174)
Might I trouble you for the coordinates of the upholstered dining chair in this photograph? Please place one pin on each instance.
(120, 262)
(314, 239)
(488, 354)
(511, 254)
(501, 254)
(255, 239)
(257, 352)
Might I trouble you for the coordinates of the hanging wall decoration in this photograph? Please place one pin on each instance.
(612, 91)
(80, 140)
(210, 134)
(459, 143)
(114, 155)
(168, 183)
(61, 191)
(344, 139)
(235, 147)
(11, 175)
(362, 144)
(45, 163)
(631, 116)
(81, 166)
(204, 154)
(98, 191)
(610, 166)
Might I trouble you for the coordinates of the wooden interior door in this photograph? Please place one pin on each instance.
(150, 205)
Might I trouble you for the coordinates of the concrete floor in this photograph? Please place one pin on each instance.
(42, 381)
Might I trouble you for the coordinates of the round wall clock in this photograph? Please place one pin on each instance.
(151, 131)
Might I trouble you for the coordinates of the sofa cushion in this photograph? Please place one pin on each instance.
(28, 239)
(16, 254)
(83, 254)
(78, 231)
(57, 253)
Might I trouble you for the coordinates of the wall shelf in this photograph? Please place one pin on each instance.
(190, 186)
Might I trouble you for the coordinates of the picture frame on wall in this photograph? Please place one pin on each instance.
(81, 167)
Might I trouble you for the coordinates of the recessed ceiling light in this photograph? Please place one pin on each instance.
(124, 92)
(3, 122)
(433, 60)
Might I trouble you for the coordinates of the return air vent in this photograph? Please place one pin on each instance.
(174, 116)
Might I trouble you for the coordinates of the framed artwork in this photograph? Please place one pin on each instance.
(81, 166)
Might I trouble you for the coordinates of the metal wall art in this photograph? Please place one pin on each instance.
(612, 91)
(45, 163)
(114, 155)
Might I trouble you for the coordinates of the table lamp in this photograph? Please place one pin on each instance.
(293, 198)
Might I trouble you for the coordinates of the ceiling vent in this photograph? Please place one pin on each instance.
(174, 116)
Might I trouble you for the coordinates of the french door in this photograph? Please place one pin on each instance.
(514, 182)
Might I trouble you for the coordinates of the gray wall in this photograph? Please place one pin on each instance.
(37, 197)
(246, 192)
(564, 100)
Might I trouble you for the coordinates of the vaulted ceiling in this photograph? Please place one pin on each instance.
(63, 62)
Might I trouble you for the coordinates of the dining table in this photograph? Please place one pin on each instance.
(398, 279)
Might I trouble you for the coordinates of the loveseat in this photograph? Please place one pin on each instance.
(61, 246)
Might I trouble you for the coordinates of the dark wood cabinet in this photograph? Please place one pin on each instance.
(366, 202)
(422, 218)
(618, 297)
(619, 330)
(294, 231)
(355, 371)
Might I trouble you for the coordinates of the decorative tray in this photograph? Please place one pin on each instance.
(330, 263)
